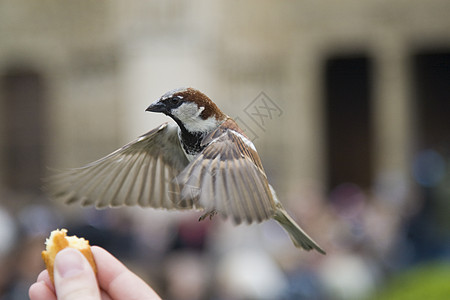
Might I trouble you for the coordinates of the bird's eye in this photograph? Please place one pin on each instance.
(174, 100)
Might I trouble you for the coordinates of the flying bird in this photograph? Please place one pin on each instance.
(203, 162)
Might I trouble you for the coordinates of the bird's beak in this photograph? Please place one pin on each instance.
(157, 107)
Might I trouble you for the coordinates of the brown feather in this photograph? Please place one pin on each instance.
(248, 194)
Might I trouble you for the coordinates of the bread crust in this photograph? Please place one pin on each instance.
(58, 241)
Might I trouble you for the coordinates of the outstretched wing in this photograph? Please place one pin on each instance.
(228, 177)
(140, 173)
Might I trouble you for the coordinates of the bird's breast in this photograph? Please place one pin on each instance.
(191, 143)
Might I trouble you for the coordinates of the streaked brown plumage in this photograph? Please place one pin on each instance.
(206, 162)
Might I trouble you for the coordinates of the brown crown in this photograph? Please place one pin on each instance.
(201, 100)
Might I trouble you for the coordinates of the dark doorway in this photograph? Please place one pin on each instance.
(23, 92)
(429, 229)
(432, 93)
(348, 120)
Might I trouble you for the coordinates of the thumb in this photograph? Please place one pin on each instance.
(74, 277)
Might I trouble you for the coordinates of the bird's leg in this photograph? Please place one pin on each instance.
(209, 214)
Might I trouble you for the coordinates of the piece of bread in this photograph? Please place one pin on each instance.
(59, 240)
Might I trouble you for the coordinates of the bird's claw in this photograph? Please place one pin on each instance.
(209, 214)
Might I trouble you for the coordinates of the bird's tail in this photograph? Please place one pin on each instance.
(297, 235)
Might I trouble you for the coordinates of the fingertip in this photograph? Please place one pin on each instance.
(69, 262)
(44, 277)
(98, 250)
(32, 290)
(117, 280)
(40, 291)
(74, 276)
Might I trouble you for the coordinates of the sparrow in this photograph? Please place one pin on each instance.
(204, 161)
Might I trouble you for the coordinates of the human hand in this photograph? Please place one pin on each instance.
(75, 279)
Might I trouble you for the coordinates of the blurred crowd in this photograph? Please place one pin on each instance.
(369, 236)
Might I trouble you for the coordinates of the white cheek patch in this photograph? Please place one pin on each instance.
(186, 112)
(203, 125)
(189, 114)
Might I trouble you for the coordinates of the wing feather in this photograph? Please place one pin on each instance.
(140, 173)
(243, 190)
(237, 211)
(230, 177)
(220, 187)
(146, 165)
(161, 181)
(205, 191)
(134, 182)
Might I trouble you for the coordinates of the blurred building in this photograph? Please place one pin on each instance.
(359, 87)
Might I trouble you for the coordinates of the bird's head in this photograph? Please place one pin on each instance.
(190, 108)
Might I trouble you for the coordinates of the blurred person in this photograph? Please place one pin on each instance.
(26, 263)
(249, 273)
(8, 232)
(5, 276)
(9, 238)
(428, 230)
(75, 279)
(37, 218)
(187, 275)
(348, 274)
(191, 234)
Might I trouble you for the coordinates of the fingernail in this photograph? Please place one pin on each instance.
(69, 262)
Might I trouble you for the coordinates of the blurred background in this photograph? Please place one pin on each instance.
(348, 103)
